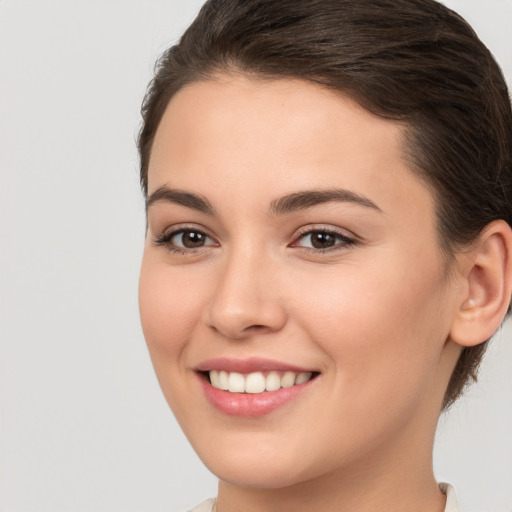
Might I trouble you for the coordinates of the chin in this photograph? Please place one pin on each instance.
(258, 474)
(254, 464)
(264, 460)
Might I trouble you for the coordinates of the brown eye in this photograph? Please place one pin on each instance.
(319, 240)
(189, 239)
(185, 240)
(322, 240)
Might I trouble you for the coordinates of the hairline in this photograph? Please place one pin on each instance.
(408, 145)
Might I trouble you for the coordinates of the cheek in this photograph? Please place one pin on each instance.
(170, 305)
(381, 329)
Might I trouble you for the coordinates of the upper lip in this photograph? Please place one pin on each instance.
(250, 365)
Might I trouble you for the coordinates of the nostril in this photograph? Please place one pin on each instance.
(245, 316)
(256, 328)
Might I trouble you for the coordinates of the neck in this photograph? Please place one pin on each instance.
(399, 478)
(365, 491)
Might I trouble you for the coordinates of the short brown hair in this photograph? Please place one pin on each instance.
(414, 61)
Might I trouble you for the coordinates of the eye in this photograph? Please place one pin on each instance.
(184, 239)
(189, 239)
(323, 240)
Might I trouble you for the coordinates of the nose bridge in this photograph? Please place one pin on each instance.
(246, 299)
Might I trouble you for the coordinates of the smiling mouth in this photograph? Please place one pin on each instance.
(256, 382)
(253, 387)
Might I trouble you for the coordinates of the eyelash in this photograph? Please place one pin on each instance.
(343, 241)
(165, 240)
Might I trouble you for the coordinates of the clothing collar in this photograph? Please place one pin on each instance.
(451, 500)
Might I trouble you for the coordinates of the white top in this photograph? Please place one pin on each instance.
(451, 501)
(206, 506)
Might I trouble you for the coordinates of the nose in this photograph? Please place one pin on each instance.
(246, 300)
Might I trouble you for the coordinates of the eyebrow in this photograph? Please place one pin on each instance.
(289, 203)
(308, 198)
(187, 199)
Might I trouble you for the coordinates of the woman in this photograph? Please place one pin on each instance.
(328, 189)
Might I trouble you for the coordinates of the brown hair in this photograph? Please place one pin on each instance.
(414, 61)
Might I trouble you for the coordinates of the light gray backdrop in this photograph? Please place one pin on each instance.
(83, 425)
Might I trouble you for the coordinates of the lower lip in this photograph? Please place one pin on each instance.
(251, 405)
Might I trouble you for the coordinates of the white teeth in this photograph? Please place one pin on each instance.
(214, 377)
(256, 382)
(303, 377)
(288, 380)
(223, 380)
(236, 383)
(273, 381)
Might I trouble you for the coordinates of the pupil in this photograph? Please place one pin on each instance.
(321, 240)
(193, 239)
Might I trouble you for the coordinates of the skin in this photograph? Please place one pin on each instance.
(373, 317)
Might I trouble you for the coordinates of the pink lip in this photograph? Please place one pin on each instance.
(246, 404)
(253, 364)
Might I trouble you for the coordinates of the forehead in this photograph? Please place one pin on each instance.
(260, 136)
(238, 108)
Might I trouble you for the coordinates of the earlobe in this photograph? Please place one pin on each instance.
(487, 287)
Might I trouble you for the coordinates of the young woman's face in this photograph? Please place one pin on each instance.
(288, 242)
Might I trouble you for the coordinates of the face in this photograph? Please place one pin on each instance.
(292, 258)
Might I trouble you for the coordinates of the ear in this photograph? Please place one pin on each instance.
(487, 276)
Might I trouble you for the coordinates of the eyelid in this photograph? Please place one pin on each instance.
(347, 240)
(164, 239)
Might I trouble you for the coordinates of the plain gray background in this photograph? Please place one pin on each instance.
(83, 425)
